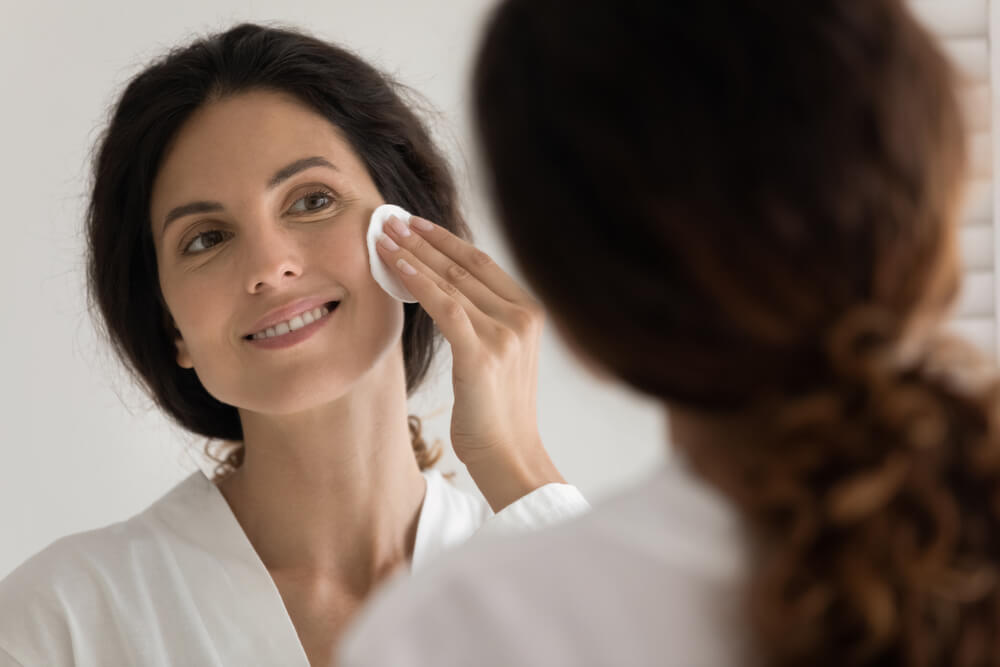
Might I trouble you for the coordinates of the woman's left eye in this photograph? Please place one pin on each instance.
(312, 202)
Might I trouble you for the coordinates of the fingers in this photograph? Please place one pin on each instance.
(472, 259)
(461, 273)
(450, 278)
(475, 275)
(458, 319)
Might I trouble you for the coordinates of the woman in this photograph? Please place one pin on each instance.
(231, 198)
(755, 205)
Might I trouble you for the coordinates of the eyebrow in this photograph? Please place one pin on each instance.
(279, 177)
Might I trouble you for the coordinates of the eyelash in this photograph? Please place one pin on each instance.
(322, 193)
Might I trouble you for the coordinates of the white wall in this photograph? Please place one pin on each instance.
(79, 446)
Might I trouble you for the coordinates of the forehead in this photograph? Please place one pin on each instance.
(240, 141)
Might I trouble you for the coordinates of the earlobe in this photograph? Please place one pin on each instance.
(183, 358)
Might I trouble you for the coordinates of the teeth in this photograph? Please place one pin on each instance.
(293, 324)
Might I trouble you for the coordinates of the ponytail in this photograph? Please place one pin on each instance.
(874, 504)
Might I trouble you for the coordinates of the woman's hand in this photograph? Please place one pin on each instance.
(494, 328)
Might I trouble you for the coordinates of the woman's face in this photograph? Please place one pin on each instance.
(259, 212)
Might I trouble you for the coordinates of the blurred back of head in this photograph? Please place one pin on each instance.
(747, 209)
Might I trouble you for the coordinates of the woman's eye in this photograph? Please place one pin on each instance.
(312, 202)
(204, 241)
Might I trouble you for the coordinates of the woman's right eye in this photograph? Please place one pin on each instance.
(204, 241)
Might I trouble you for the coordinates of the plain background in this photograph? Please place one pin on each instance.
(81, 447)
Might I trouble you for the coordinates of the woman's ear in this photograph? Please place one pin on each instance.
(183, 356)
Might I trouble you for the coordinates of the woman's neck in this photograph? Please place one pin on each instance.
(333, 493)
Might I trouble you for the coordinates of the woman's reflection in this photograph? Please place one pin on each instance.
(232, 193)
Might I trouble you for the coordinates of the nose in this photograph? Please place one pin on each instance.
(272, 258)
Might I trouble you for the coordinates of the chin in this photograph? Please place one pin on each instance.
(297, 390)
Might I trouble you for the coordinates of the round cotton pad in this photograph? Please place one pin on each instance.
(383, 274)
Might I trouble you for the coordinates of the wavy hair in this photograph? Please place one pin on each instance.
(762, 199)
(366, 105)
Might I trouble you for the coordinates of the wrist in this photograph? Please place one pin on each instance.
(507, 476)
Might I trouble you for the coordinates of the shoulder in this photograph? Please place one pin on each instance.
(70, 581)
(77, 562)
(634, 575)
(75, 584)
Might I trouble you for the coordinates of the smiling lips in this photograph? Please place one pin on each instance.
(294, 324)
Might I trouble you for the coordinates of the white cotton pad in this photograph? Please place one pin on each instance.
(383, 274)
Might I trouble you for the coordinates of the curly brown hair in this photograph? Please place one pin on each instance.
(366, 105)
(763, 198)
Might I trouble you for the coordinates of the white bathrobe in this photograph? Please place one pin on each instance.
(651, 578)
(180, 583)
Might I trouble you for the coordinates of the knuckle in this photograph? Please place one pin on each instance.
(447, 288)
(527, 320)
(453, 310)
(417, 244)
(456, 273)
(480, 258)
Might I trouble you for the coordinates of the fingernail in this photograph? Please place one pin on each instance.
(420, 223)
(399, 227)
(387, 243)
(405, 267)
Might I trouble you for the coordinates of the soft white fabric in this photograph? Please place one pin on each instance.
(384, 275)
(653, 577)
(180, 584)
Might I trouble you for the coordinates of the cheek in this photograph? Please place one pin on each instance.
(194, 305)
(343, 255)
(377, 316)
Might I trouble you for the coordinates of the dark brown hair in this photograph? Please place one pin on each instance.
(363, 103)
(757, 200)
